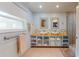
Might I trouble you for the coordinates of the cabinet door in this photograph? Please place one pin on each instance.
(39, 40)
(58, 42)
(33, 41)
(52, 41)
(46, 41)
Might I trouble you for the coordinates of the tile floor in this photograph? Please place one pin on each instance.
(44, 52)
(67, 52)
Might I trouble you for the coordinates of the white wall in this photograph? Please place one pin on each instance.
(61, 16)
(77, 31)
(71, 28)
(11, 8)
(71, 17)
(9, 48)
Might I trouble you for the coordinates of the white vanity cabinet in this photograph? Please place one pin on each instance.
(39, 41)
(53, 41)
(33, 41)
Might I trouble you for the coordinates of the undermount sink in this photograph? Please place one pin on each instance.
(55, 32)
(50, 31)
(44, 32)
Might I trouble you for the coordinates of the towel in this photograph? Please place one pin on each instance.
(21, 46)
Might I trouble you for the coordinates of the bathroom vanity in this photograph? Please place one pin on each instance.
(49, 40)
(51, 33)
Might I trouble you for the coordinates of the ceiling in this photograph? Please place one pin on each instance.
(49, 7)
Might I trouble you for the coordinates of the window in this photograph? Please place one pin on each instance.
(10, 24)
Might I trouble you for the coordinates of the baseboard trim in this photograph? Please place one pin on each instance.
(25, 52)
(49, 46)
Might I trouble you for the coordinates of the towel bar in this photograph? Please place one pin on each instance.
(7, 38)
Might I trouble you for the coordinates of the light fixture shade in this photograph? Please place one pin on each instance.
(40, 6)
(57, 6)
